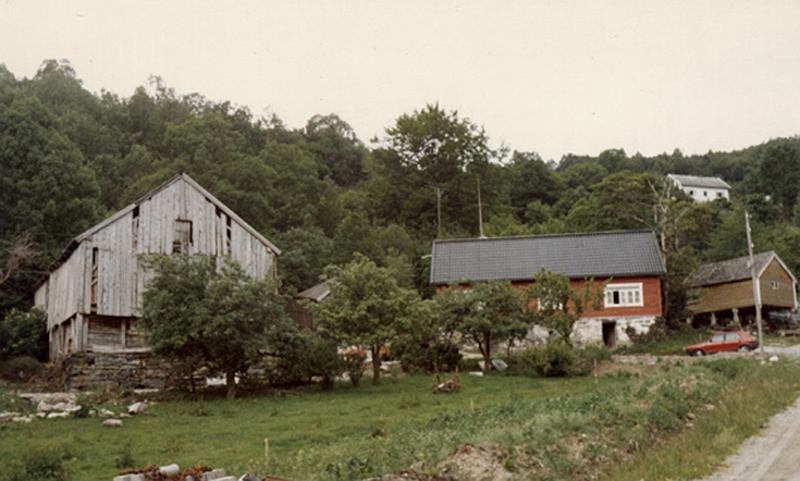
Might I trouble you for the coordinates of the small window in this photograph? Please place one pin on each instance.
(705, 193)
(93, 290)
(731, 336)
(228, 236)
(718, 338)
(182, 239)
(775, 285)
(624, 295)
(135, 228)
(691, 192)
(719, 194)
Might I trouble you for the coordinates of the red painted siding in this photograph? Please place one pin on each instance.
(651, 292)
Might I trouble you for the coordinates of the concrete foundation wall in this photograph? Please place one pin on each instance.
(589, 330)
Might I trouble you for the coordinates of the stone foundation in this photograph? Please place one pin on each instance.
(589, 330)
(127, 370)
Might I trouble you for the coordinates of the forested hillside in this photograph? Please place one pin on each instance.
(70, 157)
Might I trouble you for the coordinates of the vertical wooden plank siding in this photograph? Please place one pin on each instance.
(121, 278)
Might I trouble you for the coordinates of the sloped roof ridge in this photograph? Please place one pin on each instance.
(545, 236)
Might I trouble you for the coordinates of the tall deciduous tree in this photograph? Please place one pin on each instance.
(217, 315)
(495, 313)
(366, 307)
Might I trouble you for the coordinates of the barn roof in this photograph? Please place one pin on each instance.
(316, 293)
(732, 270)
(598, 254)
(701, 182)
(124, 211)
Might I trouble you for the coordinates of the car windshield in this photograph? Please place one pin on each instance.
(732, 336)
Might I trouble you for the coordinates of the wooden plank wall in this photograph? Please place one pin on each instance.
(783, 295)
(121, 279)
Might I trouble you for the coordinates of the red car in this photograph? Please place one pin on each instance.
(740, 341)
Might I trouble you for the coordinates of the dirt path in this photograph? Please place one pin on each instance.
(772, 455)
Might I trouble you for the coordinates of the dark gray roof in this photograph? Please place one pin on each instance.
(728, 271)
(316, 293)
(697, 181)
(598, 254)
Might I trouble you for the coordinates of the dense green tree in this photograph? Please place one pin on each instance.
(23, 334)
(195, 311)
(494, 312)
(366, 308)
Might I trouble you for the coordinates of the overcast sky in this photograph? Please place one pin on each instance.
(552, 77)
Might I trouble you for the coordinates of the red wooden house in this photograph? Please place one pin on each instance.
(628, 263)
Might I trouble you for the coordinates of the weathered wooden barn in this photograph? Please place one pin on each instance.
(627, 262)
(301, 314)
(93, 293)
(723, 291)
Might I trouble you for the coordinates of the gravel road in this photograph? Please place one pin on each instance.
(772, 455)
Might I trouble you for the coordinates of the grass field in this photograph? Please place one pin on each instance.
(550, 428)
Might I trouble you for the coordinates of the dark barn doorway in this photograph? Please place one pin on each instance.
(610, 333)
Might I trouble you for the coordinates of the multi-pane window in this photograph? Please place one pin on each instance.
(624, 295)
(775, 285)
(182, 239)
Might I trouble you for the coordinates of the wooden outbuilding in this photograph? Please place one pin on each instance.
(723, 291)
(93, 294)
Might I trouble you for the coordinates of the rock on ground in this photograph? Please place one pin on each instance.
(112, 423)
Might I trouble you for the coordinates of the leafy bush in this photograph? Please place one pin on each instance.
(437, 355)
(20, 369)
(23, 334)
(39, 466)
(557, 359)
(657, 332)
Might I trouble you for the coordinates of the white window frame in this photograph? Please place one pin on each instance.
(625, 300)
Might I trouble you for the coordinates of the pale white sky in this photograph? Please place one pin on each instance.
(548, 76)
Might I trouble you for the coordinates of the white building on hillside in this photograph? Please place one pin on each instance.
(701, 189)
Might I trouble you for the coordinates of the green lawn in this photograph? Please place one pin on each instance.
(558, 428)
(231, 434)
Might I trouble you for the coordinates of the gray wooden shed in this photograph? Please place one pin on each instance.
(93, 293)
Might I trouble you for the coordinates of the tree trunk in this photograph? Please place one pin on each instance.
(230, 383)
(376, 364)
(487, 353)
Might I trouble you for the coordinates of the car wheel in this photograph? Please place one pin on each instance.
(744, 348)
(699, 353)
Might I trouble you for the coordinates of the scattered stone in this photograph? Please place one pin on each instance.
(773, 359)
(227, 478)
(105, 413)
(690, 416)
(41, 415)
(213, 475)
(8, 416)
(92, 413)
(49, 397)
(476, 373)
(112, 423)
(689, 425)
(66, 407)
(499, 364)
(249, 477)
(131, 477)
(22, 419)
(710, 407)
(137, 408)
(170, 470)
(57, 415)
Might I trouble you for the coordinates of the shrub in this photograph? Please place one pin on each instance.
(557, 359)
(657, 332)
(39, 466)
(434, 356)
(23, 334)
(20, 369)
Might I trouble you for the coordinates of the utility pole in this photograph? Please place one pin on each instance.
(756, 286)
(438, 212)
(480, 211)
